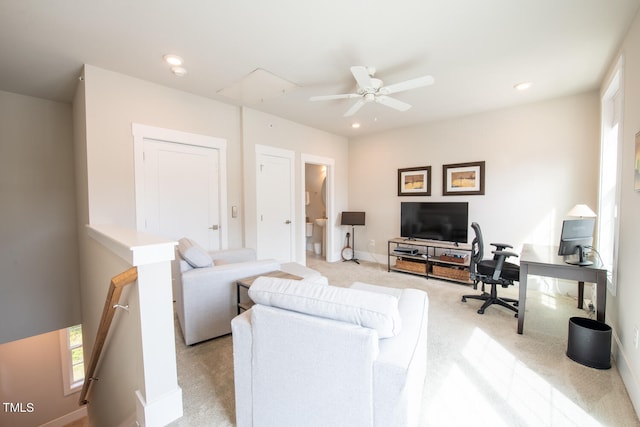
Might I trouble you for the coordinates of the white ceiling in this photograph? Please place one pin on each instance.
(475, 49)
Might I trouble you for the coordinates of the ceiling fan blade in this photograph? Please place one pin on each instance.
(361, 74)
(393, 103)
(406, 85)
(330, 97)
(354, 109)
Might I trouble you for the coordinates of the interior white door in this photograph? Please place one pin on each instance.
(275, 210)
(182, 192)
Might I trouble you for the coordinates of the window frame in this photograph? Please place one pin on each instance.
(612, 115)
(66, 356)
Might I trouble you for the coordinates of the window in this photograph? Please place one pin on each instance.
(72, 358)
(609, 194)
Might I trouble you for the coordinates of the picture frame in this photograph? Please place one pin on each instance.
(414, 181)
(636, 168)
(463, 179)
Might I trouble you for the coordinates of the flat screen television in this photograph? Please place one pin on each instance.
(445, 221)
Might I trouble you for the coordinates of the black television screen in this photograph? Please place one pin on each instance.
(444, 221)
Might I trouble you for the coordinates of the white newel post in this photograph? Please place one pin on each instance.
(159, 398)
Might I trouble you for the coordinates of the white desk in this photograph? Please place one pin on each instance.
(540, 260)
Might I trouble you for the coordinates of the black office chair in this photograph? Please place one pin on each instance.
(493, 272)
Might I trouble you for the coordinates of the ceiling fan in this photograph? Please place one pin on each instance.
(371, 89)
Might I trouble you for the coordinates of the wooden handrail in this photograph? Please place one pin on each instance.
(113, 296)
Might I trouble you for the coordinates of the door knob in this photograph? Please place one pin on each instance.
(287, 222)
(214, 227)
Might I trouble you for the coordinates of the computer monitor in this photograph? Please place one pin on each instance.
(577, 234)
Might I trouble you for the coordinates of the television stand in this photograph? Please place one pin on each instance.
(430, 258)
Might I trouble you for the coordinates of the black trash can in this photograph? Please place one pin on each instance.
(589, 342)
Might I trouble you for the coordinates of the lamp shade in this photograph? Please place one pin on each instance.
(352, 218)
(581, 211)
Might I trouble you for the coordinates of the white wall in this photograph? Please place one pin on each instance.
(115, 101)
(263, 129)
(541, 160)
(39, 291)
(105, 106)
(31, 373)
(622, 310)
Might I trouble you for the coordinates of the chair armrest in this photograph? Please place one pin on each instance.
(231, 256)
(501, 246)
(242, 342)
(228, 272)
(500, 257)
(506, 254)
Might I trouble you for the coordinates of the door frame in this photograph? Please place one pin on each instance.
(266, 150)
(330, 228)
(141, 132)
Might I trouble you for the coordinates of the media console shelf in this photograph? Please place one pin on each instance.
(430, 258)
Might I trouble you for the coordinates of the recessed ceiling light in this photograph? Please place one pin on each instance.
(355, 125)
(173, 60)
(522, 86)
(179, 71)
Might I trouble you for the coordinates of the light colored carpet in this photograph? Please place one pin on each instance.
(480, 371)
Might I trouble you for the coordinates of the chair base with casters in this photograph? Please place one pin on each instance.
(492, 272)
(492, 298)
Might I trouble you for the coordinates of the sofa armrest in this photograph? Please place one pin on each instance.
(232, 256)
(242, 356)
(228, 272)
(401, 368)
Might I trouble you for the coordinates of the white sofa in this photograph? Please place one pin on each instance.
(204, 286)
(327, 356)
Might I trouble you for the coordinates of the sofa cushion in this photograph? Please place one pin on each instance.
(194, 254)
(368, 309)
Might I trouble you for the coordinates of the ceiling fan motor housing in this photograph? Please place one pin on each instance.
(369, 92)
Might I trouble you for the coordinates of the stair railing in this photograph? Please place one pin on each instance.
(113, 296)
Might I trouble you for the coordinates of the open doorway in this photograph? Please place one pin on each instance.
(317, 185)
(315, 210)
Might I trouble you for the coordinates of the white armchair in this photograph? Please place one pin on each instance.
(204, 287)
(326, 356)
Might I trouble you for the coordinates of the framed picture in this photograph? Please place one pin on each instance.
(414, 181)
(461, 179)
(636, 173)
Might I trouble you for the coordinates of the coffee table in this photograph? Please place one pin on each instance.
(248, 281)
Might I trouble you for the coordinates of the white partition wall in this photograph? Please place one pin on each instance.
(137, 370)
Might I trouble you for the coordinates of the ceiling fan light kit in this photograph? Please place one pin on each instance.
(371, 89)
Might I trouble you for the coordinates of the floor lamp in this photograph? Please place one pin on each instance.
(352, 219)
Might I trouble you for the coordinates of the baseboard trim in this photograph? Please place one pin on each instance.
(162, 411)
(68, 418)
(628, 375)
